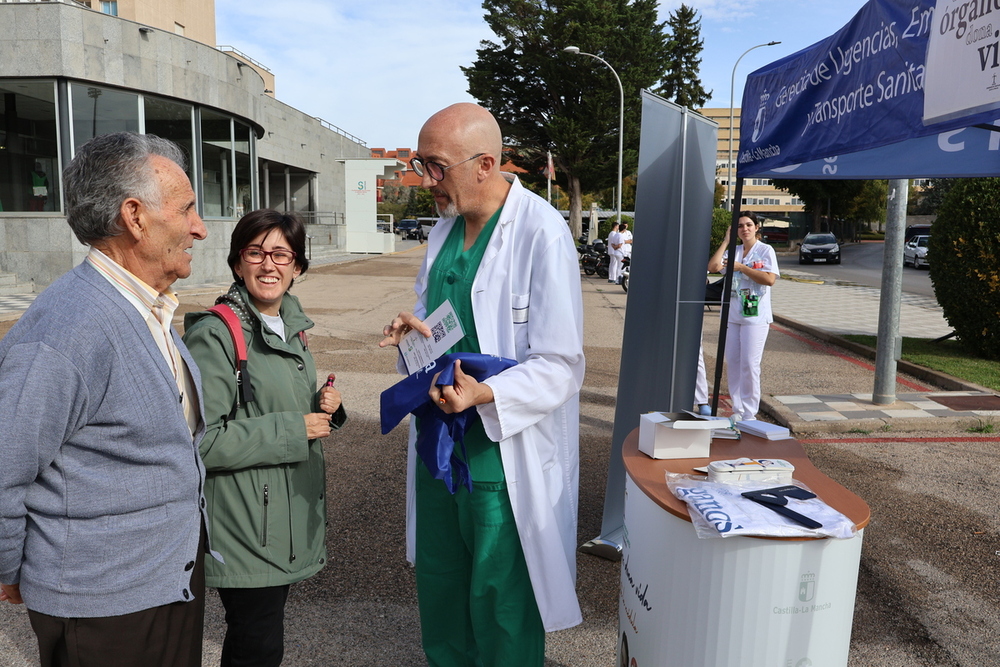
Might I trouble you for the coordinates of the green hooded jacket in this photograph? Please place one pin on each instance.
(266, 483)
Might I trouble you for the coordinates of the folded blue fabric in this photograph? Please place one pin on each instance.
(439, 431)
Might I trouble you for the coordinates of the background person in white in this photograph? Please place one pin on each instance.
(615, 253)
(755, 271)
(625, 237)
(526, 305)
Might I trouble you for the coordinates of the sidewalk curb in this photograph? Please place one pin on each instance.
(790, 420)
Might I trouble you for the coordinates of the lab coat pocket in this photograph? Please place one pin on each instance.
(519, 316)
(519, 308)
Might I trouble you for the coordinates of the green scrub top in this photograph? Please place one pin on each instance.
(451, 278)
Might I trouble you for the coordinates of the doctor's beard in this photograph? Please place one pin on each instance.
(449, 211)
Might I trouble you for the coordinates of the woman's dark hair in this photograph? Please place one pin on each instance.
(752, 216)
(255, 223)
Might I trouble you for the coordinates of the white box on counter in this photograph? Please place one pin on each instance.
(743, 470)
(674, 435)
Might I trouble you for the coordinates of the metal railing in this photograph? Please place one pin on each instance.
(344, 133)
(321, 217)
(237, 52)
(64, 2)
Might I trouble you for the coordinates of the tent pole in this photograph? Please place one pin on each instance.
(727, 287)
(888, 344)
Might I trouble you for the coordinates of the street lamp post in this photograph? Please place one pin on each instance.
(575, 50)
(732, 90)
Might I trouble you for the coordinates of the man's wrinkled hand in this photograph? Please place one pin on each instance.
(11, 593)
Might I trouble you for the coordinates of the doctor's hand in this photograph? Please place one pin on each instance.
(11, 593)
(401, 325)
(465, 393)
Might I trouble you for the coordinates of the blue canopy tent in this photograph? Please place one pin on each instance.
(907, 89)
(852, 105)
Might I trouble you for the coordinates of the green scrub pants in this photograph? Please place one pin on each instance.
(477, 606)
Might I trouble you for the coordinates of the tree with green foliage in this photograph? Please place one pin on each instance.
(823, 198)
(869, 205)
(607, 198)
(423, 204)
(929, 199)
(396, 200)
(680, 82)
(964, 256)
(722, 222)
(548, 100)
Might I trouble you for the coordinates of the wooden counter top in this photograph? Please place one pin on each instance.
(648, 473)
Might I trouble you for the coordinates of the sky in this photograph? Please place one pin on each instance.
(378, 70)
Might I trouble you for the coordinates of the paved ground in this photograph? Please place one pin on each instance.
(928, 592)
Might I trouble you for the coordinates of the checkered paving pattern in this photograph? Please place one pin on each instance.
(851, 309)
(15, 303)
(843, 407)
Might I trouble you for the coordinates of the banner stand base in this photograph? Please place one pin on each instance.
(604, 547)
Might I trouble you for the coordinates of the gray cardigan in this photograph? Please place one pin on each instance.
(101, 502)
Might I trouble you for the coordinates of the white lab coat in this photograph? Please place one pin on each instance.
(626, 248)
(527, 304)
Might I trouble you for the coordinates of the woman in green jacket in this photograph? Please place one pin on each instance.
(266, 480)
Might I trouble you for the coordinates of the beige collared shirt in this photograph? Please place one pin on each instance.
(157, 310)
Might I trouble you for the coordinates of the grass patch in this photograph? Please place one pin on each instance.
(947, 356)
(984, 427)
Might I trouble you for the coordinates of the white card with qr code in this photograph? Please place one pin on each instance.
(446, 330)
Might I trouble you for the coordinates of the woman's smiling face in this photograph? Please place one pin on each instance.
(267, 282)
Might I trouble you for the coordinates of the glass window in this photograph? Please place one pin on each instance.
(29, 147)
(109, 7)
(217, 168)
(98, 111)
(243, 178)
(173, 121)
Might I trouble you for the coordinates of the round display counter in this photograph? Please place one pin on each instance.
(735, 601)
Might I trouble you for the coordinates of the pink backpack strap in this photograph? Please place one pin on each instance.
(232, 321)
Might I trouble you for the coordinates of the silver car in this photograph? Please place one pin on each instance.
(915, 251)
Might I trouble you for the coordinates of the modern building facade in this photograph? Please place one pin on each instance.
(70, 71)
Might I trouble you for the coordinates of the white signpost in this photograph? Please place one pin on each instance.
(360, 209)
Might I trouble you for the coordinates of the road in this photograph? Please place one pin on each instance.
(861, 264)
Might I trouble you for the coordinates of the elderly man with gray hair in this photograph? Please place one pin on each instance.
(101, 506)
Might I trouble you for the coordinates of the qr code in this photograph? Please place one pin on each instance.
(438, 331)
(449, 322)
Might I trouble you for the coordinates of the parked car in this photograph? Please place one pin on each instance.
(409, 229)
(822, 247)
(915, 252)
(916, 230)
(774, 235)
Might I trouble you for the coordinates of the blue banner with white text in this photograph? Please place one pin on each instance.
(858, 90)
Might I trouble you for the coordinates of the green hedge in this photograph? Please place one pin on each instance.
(964, 256)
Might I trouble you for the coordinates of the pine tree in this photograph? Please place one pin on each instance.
(548, 100)
(680, 83)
